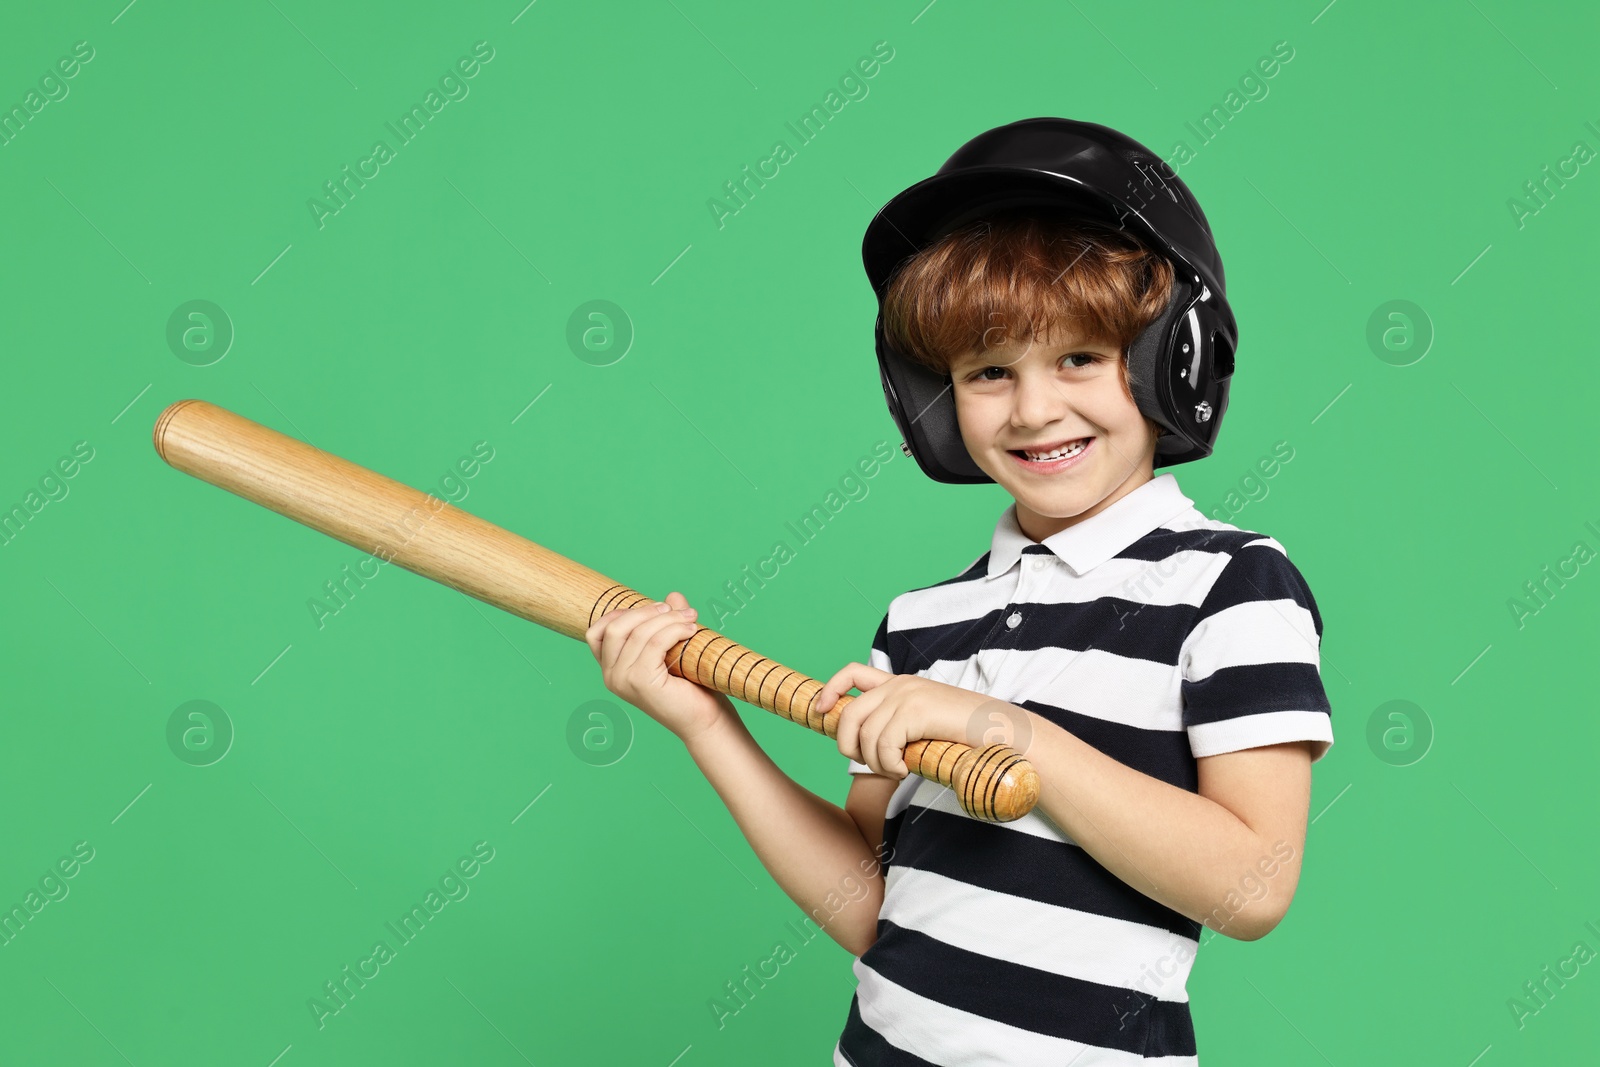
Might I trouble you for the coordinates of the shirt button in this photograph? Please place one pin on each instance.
(1016, 617)
(1039, 563)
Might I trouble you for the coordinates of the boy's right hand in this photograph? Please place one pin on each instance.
(631, 648)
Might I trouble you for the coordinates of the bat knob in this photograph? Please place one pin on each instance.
(994, 783)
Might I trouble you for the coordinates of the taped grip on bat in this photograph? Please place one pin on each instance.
(993, 783)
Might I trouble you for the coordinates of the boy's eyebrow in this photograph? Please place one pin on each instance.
(974, 357)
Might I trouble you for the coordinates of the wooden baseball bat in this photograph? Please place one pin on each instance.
(437, 540)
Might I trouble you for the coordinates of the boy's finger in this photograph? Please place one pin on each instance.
(867, 742)
(623, 623)
(842, 680)
(860, 675)
(641, 635)
(848, 730)
(674, 628)
(594, 636)
(890, 745)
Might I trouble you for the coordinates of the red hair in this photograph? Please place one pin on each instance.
(1018, 275)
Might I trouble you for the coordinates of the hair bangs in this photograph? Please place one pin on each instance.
(1022, 276)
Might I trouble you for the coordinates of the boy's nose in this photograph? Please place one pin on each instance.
(1038, 404)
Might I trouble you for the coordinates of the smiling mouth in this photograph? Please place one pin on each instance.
(1050, 453)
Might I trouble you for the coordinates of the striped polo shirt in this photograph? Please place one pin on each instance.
(1149, 631)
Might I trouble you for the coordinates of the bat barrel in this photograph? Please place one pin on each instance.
(378, 515)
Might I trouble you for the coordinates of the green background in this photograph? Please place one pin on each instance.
(432, 310)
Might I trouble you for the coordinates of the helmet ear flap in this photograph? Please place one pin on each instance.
(1148, 354)
(923, 405)
(1178, 371)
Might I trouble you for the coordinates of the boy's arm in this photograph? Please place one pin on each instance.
(819, 853)
(1227, 856)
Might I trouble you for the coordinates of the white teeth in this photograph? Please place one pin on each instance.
(1065, 450)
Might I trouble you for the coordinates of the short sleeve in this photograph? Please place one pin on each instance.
(877, 657)
(1251, 663)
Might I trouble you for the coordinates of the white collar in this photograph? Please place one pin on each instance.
(1087, 544)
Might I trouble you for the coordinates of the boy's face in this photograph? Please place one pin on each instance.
(1039, 395)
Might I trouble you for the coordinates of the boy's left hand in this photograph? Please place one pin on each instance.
(892, 711)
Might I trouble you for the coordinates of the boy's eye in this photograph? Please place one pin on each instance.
(1088, 358)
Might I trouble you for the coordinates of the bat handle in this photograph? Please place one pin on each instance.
(993, 783)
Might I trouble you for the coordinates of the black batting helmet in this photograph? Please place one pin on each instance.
(1178, 367)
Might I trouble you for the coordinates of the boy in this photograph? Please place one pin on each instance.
(1052, 318)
